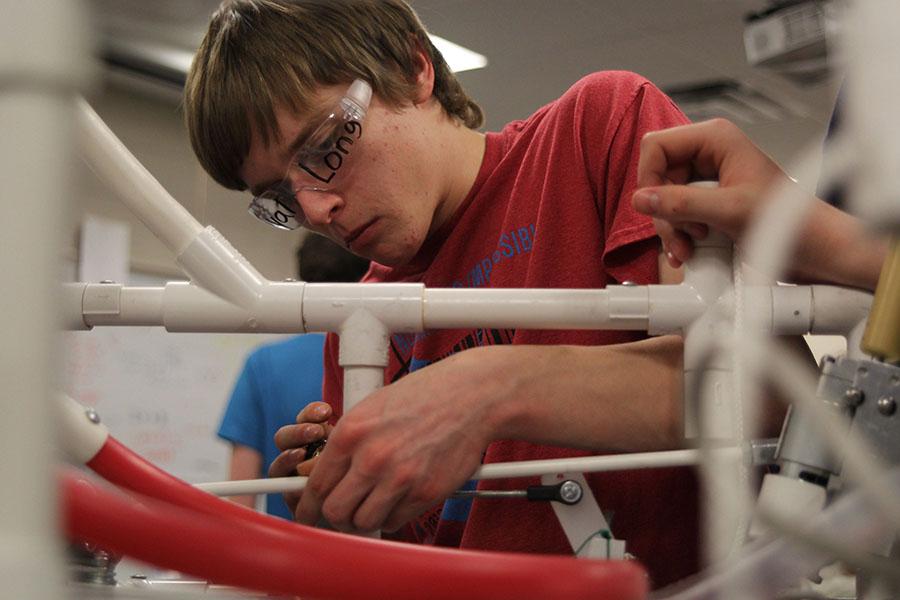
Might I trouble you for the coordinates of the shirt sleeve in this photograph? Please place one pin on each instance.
(631, 248)
(242, 422)
(333, 377)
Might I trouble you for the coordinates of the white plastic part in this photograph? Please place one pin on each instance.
(672, 307)
(838, 310)
(360, 93)
(398, 306)
(43, 61)
(789, 498)
(213, 263)
(791, 309)
(72, 309)
(583, 523)
(81, 434)
(278, 309)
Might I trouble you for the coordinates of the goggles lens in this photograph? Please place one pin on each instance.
(324, 161)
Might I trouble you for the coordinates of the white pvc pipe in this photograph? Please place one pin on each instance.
(203, 253)
(527, 468)
(447, 308)
(134, 185)
(81, 435)
(363, 354)
(838, 310)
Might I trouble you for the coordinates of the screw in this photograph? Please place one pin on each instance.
(107, 281)
(854, 397)
(92, 416)
(570, 492)
(290, 280)
(629, 284)
(887, 405)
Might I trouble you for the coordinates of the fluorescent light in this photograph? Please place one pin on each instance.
(457, 57)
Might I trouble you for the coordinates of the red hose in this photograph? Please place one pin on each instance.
(324, 565)
(118, 464)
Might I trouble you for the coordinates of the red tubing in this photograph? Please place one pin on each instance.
(258, 552)
(118, 464)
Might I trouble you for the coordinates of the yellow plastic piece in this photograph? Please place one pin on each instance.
(882, 336)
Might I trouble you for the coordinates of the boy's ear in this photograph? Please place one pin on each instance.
(424, 75)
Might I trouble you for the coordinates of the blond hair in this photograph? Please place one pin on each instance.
(259, 54)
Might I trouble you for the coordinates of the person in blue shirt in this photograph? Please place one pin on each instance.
(280, 378)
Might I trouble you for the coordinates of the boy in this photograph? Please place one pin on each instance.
(276, 103)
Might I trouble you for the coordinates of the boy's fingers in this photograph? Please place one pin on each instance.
(295, 436)
(680, 204)
(314, 412)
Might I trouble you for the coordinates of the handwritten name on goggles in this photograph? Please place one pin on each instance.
(323, 161)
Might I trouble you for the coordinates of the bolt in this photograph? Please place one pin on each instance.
(887, 405)
(570, 492)
(629, 284)
(92, 416)
(854, 397)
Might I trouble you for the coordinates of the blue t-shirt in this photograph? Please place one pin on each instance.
(278, 380)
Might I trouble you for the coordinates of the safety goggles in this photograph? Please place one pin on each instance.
(323, 162)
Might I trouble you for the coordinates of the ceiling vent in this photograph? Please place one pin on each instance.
(730, 99)
(793, 38)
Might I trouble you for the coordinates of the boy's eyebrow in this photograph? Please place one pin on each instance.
(305, 132)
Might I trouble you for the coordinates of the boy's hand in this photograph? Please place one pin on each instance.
(712, 150)
(294, 441)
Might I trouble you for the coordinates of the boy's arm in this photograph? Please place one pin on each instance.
(410, 444)
(832, 246)
(246, 463)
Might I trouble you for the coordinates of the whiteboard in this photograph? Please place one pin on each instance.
(161, 394)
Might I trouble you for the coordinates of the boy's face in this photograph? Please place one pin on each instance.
(385, 207)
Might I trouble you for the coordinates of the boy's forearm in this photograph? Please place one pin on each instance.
(835, 247)
(624, 397)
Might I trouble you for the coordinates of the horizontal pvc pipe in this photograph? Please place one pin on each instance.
(210, 537)
(182, 307)
(515, 308)
(510, 470)
(838, 310)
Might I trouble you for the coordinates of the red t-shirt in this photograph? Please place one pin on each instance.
(550, 208)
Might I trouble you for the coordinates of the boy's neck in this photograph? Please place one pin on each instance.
(460, 156)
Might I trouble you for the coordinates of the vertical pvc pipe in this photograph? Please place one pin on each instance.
(42, 63)
(363, 355)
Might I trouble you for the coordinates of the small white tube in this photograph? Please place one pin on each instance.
(510, 470)
(81, 435)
